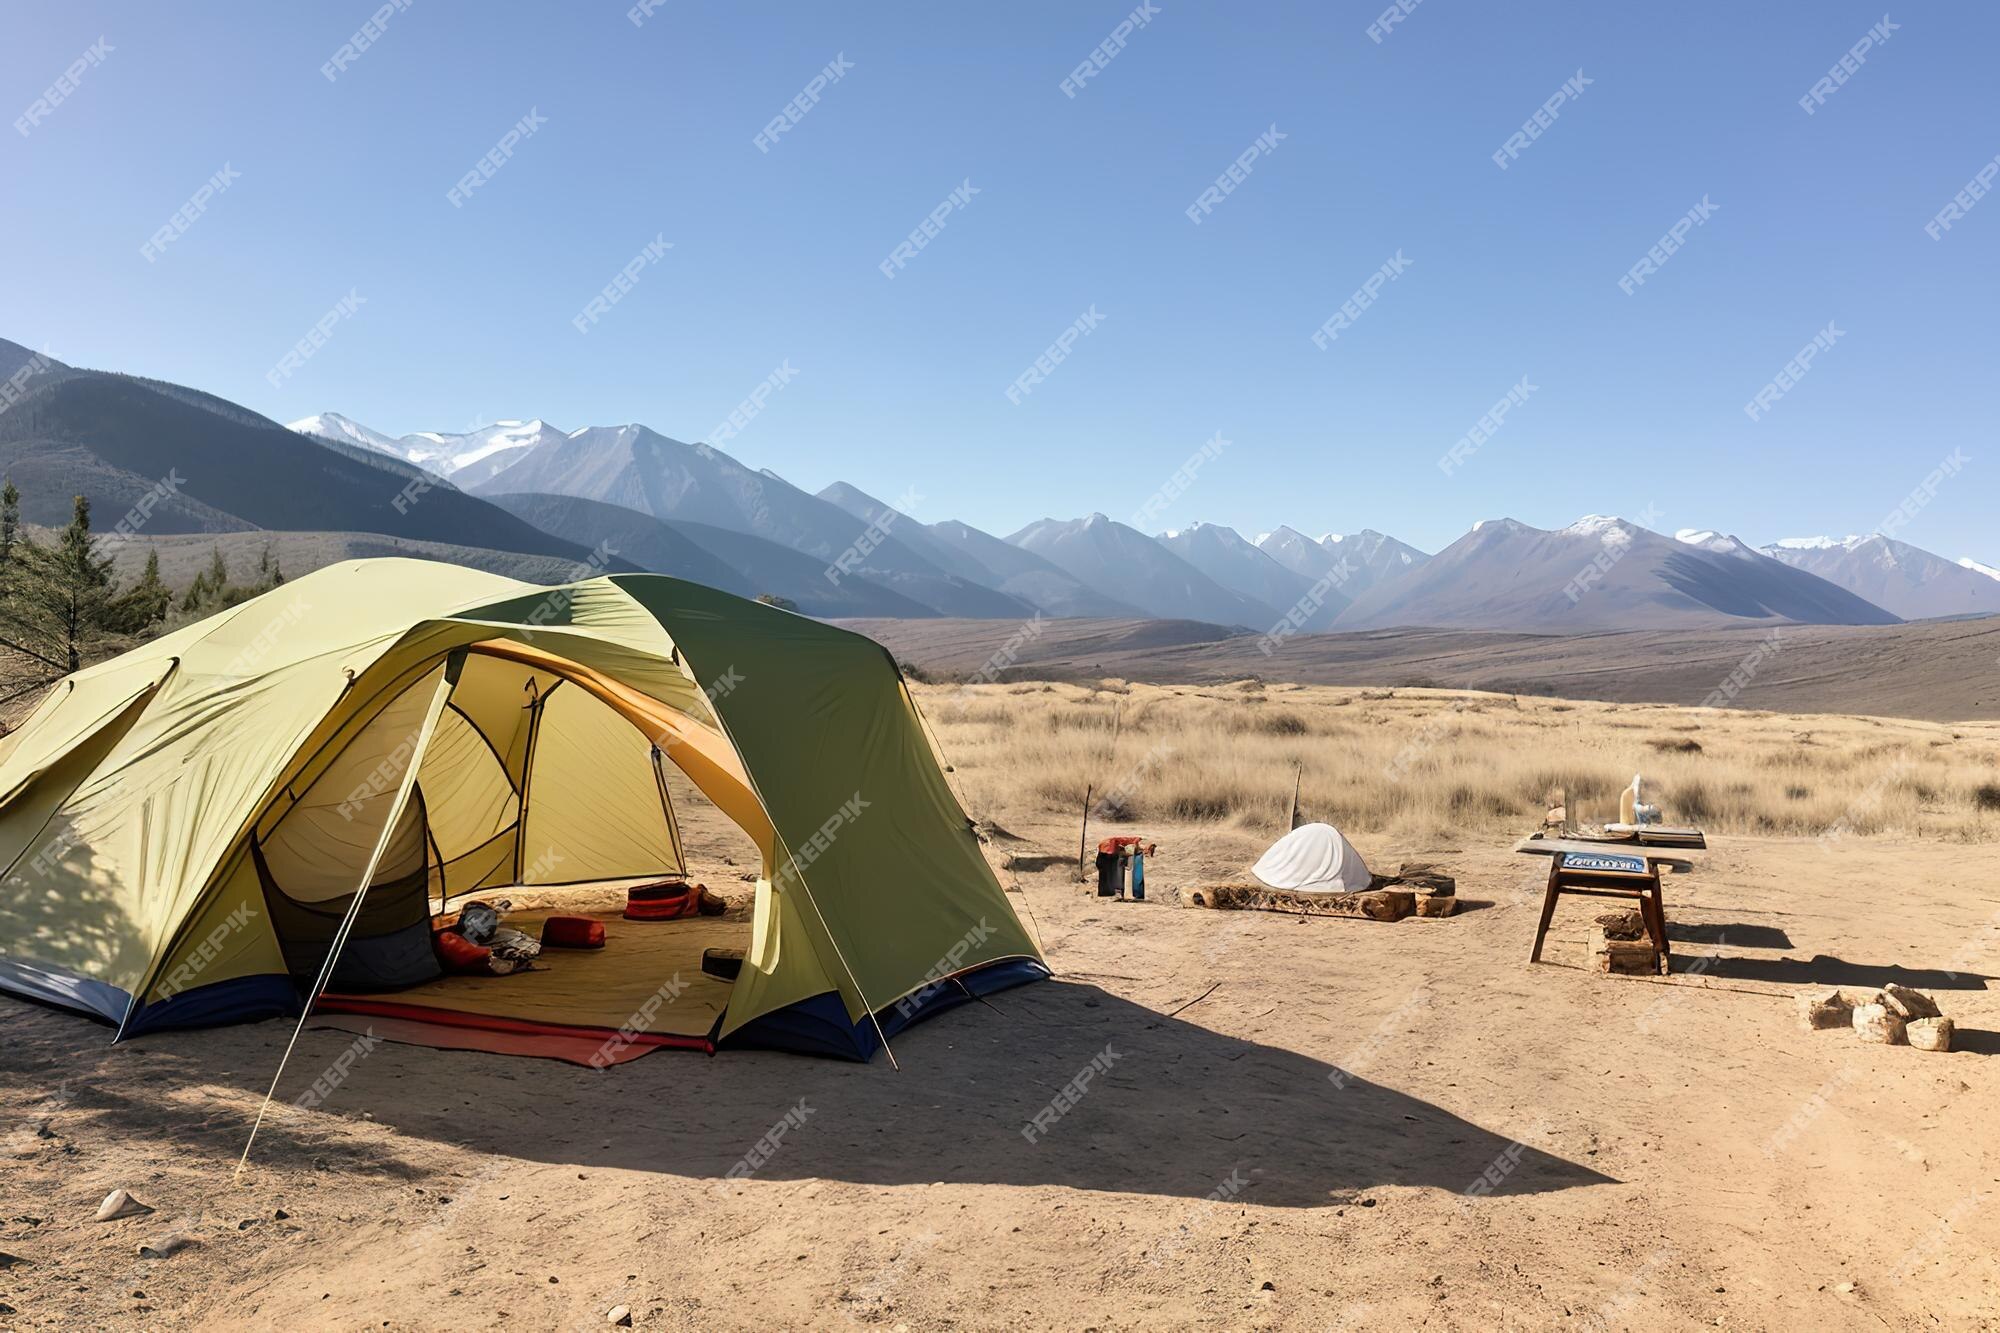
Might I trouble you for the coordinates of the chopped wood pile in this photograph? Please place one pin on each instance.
(1619, 944)
(1893, 1016)
(1418, 888)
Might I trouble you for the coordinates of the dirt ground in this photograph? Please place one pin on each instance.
(1289, 1126)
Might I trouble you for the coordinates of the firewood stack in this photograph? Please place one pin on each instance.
(1893, 1016)
(1619, 944)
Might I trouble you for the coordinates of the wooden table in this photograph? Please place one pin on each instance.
(1626, 867)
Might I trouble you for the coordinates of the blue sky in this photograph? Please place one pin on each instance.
(900, 385)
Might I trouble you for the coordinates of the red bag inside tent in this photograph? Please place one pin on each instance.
(458, 955)
(572, 932)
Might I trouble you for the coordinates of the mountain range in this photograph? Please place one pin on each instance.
(1894, 575)
(525, 493)
(1599, 573)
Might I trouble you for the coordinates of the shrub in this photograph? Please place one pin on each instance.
(1283, 724)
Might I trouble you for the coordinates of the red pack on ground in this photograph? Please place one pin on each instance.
(572, 932)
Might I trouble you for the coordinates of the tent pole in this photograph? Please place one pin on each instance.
(527, 778)
(667, 809)
(446, 681)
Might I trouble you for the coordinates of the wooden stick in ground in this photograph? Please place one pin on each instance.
(1083, 839)
(1298, 773)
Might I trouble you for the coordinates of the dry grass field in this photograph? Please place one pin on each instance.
(1421, 764)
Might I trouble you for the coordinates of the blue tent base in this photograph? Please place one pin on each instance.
(60, 988)
(239, 1000)
(820, 1025)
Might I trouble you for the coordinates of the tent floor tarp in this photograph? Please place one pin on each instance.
(648, 974)
(445, 1031)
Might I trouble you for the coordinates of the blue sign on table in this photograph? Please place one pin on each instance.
(1623, 865)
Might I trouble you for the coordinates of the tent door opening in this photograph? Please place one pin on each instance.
(534, 789)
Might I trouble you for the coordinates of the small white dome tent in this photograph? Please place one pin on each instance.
(1313, 858)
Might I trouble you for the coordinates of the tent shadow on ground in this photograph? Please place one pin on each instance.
(1826, 970)
(1174, 1111)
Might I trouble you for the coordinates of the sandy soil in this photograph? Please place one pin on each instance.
(1663, 1153)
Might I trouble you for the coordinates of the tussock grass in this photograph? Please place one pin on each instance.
(1424, 763)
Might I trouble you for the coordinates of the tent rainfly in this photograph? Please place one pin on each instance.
(194, 831)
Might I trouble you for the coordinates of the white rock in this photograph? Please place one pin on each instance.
(620, 1315)
(1930, 1034)
(1874, 1022)
(119, 1204)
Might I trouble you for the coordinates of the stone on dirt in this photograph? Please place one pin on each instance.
(1879, 1023)
(1930, 1034)
(1820, 1010)
(119, 1203)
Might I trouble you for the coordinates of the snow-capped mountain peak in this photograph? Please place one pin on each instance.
(1708, 539)
(334, 426)
(1905, 579)
(466, 457)
(1599, 525)
(1988, 570)
(1821, 543)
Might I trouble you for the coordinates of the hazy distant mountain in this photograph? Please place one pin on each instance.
(1894, 575)
(1375, 557)
(1298, 552)
(1599, 573)
(1967, 562)
(212, 465)
(1132, 567)
(640, 538)
(982, 558)
(907, 530)
(641, 469)
(1029, 577)
(732, 561)
(467, 458)
(1223, 555)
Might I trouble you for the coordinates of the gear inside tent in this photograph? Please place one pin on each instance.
(1313, 858)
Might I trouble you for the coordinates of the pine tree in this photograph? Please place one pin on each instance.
(58, 606)
(210, 589)
(148, 601)
(10, 520)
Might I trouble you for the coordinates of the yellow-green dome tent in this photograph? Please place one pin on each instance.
(194, 830)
